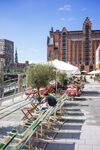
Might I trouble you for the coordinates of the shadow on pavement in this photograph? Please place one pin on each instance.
(59, 146)
(90, 93)
(4, 130)
(71, 129)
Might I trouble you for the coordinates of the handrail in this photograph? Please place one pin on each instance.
(10, 97)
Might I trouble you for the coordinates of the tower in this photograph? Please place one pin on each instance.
(16, 57)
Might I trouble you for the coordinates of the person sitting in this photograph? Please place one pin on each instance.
(51, 100)
(47, 100)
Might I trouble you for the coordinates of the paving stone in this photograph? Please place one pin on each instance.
(76, 147)
(80, 142)
(85, 147)
(96, 147)
(91, 141)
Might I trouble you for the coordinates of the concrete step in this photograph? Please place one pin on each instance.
(73, 112)
(73, 124)
(74, 117)
(64, 141)
(68, 131)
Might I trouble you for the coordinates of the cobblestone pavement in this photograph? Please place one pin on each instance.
(81, 130)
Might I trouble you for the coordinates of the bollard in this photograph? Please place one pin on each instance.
(49, 124)
(60, 112)
(37, 134)
(54, 117)
(41, 130)
(30, 144)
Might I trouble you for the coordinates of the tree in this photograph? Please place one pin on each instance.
(39, 75)
(62, 77)
(16, 69)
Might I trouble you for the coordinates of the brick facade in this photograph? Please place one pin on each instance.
(75, 47)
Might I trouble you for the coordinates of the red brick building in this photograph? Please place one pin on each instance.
(22, 65)
(75, 47)
(98, 58)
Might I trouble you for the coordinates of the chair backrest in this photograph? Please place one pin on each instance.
(24, 136)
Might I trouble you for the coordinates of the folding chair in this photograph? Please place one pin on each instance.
(23, 136)
(27, 111)
(10, 136)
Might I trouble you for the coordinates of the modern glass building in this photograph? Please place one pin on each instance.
(7, 52)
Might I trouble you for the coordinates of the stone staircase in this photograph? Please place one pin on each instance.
(70, 132)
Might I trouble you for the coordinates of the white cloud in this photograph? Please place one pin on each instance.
(65, 8)
(83, 9)
(70, 19)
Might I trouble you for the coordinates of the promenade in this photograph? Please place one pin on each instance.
(81, 130)
(10, 113)
(81, 127)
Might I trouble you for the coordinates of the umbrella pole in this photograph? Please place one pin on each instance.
(56, 82)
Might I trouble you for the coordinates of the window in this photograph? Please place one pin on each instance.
(91, 68)
(87, 45)
(50, 55)
(64, 40)
(64, 46)
(96, 35)
(56, 53)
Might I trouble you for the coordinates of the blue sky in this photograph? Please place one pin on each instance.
(28, 22)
